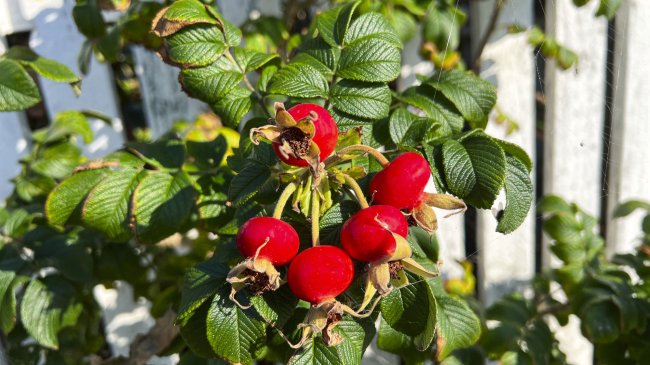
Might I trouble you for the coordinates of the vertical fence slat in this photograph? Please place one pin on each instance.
(507, 262)
(13, 144)
(164, 102)
(629, 176)
(54, 29)
(573, 129)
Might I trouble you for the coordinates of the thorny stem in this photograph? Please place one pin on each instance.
(282, 201)
(498, 7)
(361, 148)
(349, 181)
(315, 217)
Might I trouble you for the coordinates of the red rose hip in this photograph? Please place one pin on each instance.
(320, 273)
(401, 183)
(325, 136)
(279, 240)
(368, 234)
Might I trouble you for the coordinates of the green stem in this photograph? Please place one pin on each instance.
(360, 148)
(315, 218)
(349, 181)
(282, 201)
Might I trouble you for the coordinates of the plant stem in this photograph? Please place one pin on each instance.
(349, 181)
(247, 82)
(476, 61)
(361, 148)
(315, 218)
(282, 201)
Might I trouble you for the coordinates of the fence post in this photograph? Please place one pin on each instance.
(507, 262)
(573, 129)
(52, 29)
(163, 101)
(628, 178)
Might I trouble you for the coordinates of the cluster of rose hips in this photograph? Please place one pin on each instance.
(305, 136)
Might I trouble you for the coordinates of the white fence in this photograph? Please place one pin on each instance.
(575, 105)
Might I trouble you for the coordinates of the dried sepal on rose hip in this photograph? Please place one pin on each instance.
(377, 235)
(266, 243)
(401, 184)
(302, 136)
(318, 275)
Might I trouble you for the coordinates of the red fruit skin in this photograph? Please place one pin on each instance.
(365, 239)
(320, 273)
(401, 183)
(326, 136)
(283, 240)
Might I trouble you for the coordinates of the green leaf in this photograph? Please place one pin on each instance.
(333, 219)
(234, 106)
(58, 161)
(212, 83)
(66, 199)
(398, 343)
(600, 322)
(250, 60)
(407, 129)
(608, 8)
(372, 25)
(167, 152)
(182, 13)
(371, 60)
(248, 182)
(371, 101)
(457, 326)
(276, 306)
(197, 45)
(459, 172)
(515, 151)
(232, 32)
(321, 51)
(201, 282)
(470, 94)
(442, 26)
(67, 123)
(299, 80)
(315, 351)
(17, 223)
(519, 196)
(39, 320)
(488, 163)
(408, 309)
(625, 209)
(45, 67)
(333, 24)
(161, 204)
(235, 335)
(422, 98)
(88, 17)
(106, 208)
(553, 204)
(17, 89)
(9, 282)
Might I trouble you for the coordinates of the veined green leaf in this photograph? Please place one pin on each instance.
(372, 25)
(457, 326)
(69, 122)
(234, 106)
(248, 182)
(434, 108)
(459, 172)
(407, 129)
(370, 101)
(471, 95)
(371, 60)
(67, 198)
(235, 335)
(196, 45)
(201, 282)
(161, 204)
(17, 89)
(333, 24)
(58, 160)
(182, 13)
(107, 205)
(212, 83)
(45, 67)
(250, 60)
(299, 80)
(407, 309)
(519, 196)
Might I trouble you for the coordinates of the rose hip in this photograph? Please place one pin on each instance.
(320, 273)
(368, 235)
(280, 241)
(401, 183)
